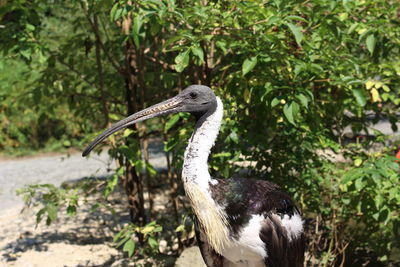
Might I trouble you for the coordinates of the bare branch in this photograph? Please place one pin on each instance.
(96, 31)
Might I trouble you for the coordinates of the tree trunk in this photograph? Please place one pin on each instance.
(133, 183)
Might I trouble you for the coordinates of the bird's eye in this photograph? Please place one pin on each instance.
(193, 95)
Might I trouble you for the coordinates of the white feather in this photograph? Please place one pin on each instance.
(248, 249)
(196, 180)
(293, 225)
(195, 167)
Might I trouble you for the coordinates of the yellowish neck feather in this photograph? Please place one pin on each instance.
(197, 179)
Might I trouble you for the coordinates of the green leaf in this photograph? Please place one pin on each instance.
(150, 169)
(379, 199)
(296, 18)
(298, 35)
(198, 52)
(352, 28)
(248, 65)
(351, 175)
(358, 162)
(171, 122)
(39, 215)
(26, 53)
(157, 229)
(275, 102)
(371, 42)
(30, 27)
(182, 61)
(128, 132)
(360, 183)
(123, 240)
(152, 242)
(180, 228)
(359, 96)
(71, 210)
(288, 112)
(384, 215)
(303, 100)
(268, 88)
(234, 137)
(137, 24)
(113, 12)
(51, 210)
(170, 144)
(67, 143)
(222, 155)
(129, 247)
(295, 109)
(118, 13)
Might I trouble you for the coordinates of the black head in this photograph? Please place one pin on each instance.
(195, 99)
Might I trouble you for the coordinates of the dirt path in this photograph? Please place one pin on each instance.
(14, 174)
(55, 169)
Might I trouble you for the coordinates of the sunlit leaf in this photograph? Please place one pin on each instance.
(360, 183)
(359, 96)
(369, 84)
(152, 242)
(198, 52)
(182, 61)
(385, 88)
(298, 35)
(357, 162)
(375, 95)
(171, 122)
(371, 41)
(113, 12)
(248, 65)
(221, 155)
(170, 144)
(51, 210)
(147, 229)
(137, 25)
(150, 169)
(274, 102)
(129, 247)
(288, 112)
(303, 100)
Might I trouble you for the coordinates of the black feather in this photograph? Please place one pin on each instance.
(243, 198)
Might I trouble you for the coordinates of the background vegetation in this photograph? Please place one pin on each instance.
(295, 77)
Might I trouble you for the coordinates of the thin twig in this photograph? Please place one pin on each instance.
(96, 31)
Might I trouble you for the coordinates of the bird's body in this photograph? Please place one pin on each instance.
(239, 222)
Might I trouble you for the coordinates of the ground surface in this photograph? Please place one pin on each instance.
(55, 169)
(85, 240)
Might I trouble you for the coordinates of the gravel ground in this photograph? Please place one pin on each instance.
(15, 174)
(56, 169)
(84, 240)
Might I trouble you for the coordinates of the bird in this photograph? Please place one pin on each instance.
(238, 221)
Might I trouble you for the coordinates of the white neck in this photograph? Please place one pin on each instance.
(195, 167)
(197, 179)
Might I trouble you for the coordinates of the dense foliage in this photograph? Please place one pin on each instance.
(294, 76)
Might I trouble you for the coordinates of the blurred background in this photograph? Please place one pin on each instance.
(311, 92)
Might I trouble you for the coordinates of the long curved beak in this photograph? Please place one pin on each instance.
(168, 106)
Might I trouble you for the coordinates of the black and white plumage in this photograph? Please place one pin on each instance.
(239, 222)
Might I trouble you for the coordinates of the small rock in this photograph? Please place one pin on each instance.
(163, 246)
(190, 257)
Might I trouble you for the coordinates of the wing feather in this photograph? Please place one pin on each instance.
(210, 256)
(281, 250)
